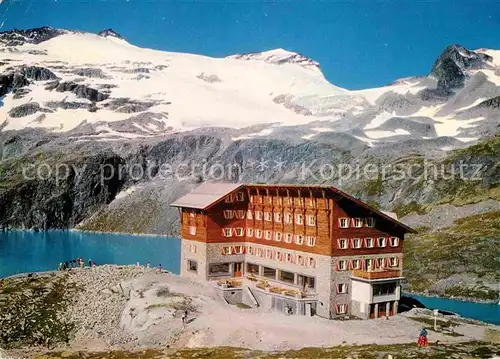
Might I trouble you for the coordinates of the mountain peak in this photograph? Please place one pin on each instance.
(110, 33)
(279, 57)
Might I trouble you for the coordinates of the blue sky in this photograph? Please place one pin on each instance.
(359, 44)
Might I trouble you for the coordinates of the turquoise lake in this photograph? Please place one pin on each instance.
(22, 252)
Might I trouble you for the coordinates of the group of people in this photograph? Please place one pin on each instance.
(159, 269)
(75, 263)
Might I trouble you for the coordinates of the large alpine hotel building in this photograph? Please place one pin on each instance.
(346, 255)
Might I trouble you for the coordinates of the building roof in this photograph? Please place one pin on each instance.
(205, 195)
(209, 193)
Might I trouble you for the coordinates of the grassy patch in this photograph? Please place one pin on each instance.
(31, 309)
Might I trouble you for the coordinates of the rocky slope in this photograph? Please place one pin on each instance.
(98, 133)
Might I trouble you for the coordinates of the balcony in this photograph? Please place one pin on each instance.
(376, 275)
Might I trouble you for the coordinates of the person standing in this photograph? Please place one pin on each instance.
(422, 338)
(90, 262)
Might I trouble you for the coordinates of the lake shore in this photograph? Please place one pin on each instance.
(129, 308)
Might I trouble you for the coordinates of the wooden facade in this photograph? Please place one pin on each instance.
(310, 212)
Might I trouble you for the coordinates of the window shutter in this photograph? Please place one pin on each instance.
(337, 288)
(338, 243)
(363, 264)
(337, 308)
(386, 262)
(233, 249)
(351, 264)
(338, 265)
(243, 249)
(347, 288)
(397, 261)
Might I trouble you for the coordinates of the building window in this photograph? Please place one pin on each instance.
(289, 258)
(269, 254)
(299, 239)
(311, 202)
(342, 265)
(252, 268)
(341, 308)
(289, 201)
(394, 241)
(258, 233)
(342, 288)
(218, 269)
(311, 220)
(260, 199)
(228, 232)
(228, 214)
(240, 214)
(249, 232)
(288, 218)
(258, 215)
(269, 273)
(381, 242)
(356, 264)
(300, 201)
(357, 222)
(249, 214)
(394, 262)
(299, 219)
(369, 264)
(239, 249)
(226, 250)
(380, 262)
(370, 222)
(311, 262)
(192, 265)
(369, 242)
(277, 236)
(343, 243)
(344, 222)
(268, 216)
(267, 235)
(240, 197)
(288, 238)
(356, 243)
(287, 277)
(306, 282)
(277, 217)
(384, 289)
(311, 241)
(239, 232)
(270, 200)
(229, 199)
(192, 230)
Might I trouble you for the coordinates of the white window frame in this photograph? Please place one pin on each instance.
(229, 199)
(299, 239)
(258, 215)
(268, 235)
(394, 241)
(343, 240)
(277, 217)
(344, 288)
(278, 236)
(343, 265)
(343, 222)
(289, 258)
(192, 230)
(311, 241)
(379, 262)
(239, 249)
(288, 218)
(357, 222)
(356, 264)
(393, 262)
(268, 217)
(358, 241)
(249, 232)
(249, 214)
(240, 197)
(288, 238)
(311, 220)
(258, 233)
(370, 222)
(367, 244)
(238, 231)
(240, 214)
(226, 250)
(228, 214)
(228, 232)
(299, 219)
(381, 242)
(341, 308)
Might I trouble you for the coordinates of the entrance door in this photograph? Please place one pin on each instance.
(238, 269)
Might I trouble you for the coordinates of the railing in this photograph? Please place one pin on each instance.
(380, 274)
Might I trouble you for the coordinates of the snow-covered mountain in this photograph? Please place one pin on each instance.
(99, 86)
